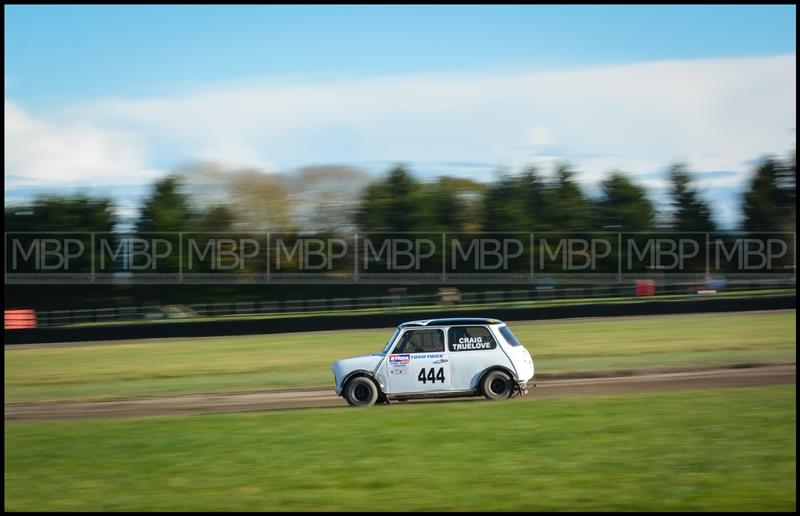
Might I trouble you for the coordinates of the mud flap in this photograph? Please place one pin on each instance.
(520, 390)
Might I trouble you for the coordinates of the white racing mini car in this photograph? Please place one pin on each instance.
(438, 358)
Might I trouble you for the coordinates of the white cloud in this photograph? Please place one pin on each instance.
(713, 113)
(76, 152)
(641, 114)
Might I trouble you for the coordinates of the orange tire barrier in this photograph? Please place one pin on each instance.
(23, 318)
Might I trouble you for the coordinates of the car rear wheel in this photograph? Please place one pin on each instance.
(497, 385)
(361, 392)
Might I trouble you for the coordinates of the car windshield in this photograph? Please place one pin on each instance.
(391, 339)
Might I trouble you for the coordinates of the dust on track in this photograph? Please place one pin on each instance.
(552, 386)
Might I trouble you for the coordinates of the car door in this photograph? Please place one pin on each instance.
(419, 363)
(472, 349)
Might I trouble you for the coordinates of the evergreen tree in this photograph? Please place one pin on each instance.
(624, 206)
(504, 205)
(392, 204)
(534, 202)
(79, 213)
(167, 208)
(54, 216)
(689, 211)
(567, 209)
(440, 209)
(768, 201)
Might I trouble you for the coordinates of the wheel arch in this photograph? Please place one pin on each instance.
(508, 371)
(365, 373)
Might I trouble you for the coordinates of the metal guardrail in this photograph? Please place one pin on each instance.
(395, 301)
(234, 326)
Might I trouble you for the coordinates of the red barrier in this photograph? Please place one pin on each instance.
(645, 287)
(22, 318)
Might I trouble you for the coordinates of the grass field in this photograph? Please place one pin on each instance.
(218, 364)
(731, 449)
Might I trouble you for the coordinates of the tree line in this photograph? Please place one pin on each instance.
(336, 199)
(400, 202)
(531, 201)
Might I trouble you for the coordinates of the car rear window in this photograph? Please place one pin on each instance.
(510, 338)
(469, 338)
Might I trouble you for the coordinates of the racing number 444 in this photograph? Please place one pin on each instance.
(431, 376)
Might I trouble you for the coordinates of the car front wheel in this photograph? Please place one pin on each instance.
(497, 385)
(361, 392)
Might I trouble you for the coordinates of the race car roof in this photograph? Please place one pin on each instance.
(453, 321)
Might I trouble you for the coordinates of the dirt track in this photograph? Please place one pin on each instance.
(596, 383)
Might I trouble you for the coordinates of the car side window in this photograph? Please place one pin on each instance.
(470, 338)
(510, 338)
(421, 341)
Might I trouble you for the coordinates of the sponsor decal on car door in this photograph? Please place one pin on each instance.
(425, 368)
(419, 372)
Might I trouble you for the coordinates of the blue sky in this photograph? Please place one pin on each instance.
(138, 90)
(57, 53)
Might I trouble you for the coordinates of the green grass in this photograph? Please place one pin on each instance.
(256, 362)
(731, 449)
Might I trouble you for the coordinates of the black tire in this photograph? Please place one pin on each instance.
(361, 392)
(497, 385)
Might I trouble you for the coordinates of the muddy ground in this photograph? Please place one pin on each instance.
(547, 386)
